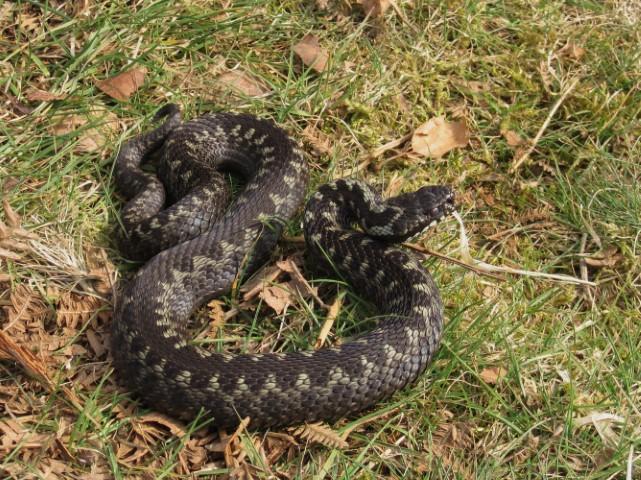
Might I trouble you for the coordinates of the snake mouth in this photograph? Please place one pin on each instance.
(443, 209)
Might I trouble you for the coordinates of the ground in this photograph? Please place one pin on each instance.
(535, 378)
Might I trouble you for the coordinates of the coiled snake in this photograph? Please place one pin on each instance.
(200, 247)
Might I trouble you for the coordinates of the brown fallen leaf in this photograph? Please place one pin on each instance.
(264, 277)
(216, 314)
(37, 95)
(243, 83)
(28, 22)
(492, 375)
(437, 136)
(298, 282)
(311, 53)
(512, 138)
(100, 270)
(571, 50)
(278, 297)
(123, 85)
(25, 305)
(375, 8)
(607, 258)
(176, 428)
(320, 433)
(319, 141)
(74, 309)
(97, 343)
(230, 458)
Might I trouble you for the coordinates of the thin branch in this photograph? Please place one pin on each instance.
(447, 258)
(486, 267)
(518, 161)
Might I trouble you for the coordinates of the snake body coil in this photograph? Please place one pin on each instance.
(201, 247)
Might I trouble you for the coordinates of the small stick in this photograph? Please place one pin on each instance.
(389, 145)
(427, 251)
(334, 309)
(399, 12)
(486, 267)
(519, 160)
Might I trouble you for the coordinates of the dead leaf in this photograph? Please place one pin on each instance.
(37, 95)
(103, 125)
(278, 297)
(28, 22)
(243, 83)
(26, 305)
(74, 309)
(230, 459)
(604, 423)
(437, 136)
(123, 85)
(298, 282)
(571, 50)
(27, 360)
(607, 258)
(492, 375)
(265, 276)
(319, 142)
(175, 427)
(512, 138)
(322, 434)
(311, 53)
(375, 8)
(216, 314)
(97, 343)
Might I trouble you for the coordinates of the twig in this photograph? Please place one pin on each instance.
(400, 13)
(522, 158)
(389, 145)
(583, 267)
(486, 267)
(334, 309)
(447, 258)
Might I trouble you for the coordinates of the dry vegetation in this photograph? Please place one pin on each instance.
(530, 109)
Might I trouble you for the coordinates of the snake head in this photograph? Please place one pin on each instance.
(435, 202)
(430, 204)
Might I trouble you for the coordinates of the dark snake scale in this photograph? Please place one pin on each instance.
(199, 246)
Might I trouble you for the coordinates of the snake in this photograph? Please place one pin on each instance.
(198, 238)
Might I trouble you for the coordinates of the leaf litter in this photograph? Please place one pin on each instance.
(122, 86)
(311, 53)
(437, 136)
(242, 82)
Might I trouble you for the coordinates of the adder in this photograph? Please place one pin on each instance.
(197, 246)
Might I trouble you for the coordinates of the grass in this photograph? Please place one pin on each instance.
(533, 380)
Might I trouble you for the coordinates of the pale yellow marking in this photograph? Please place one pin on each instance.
(421, 287)
(213, 384)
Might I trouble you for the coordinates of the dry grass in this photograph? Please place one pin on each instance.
(534, 379)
